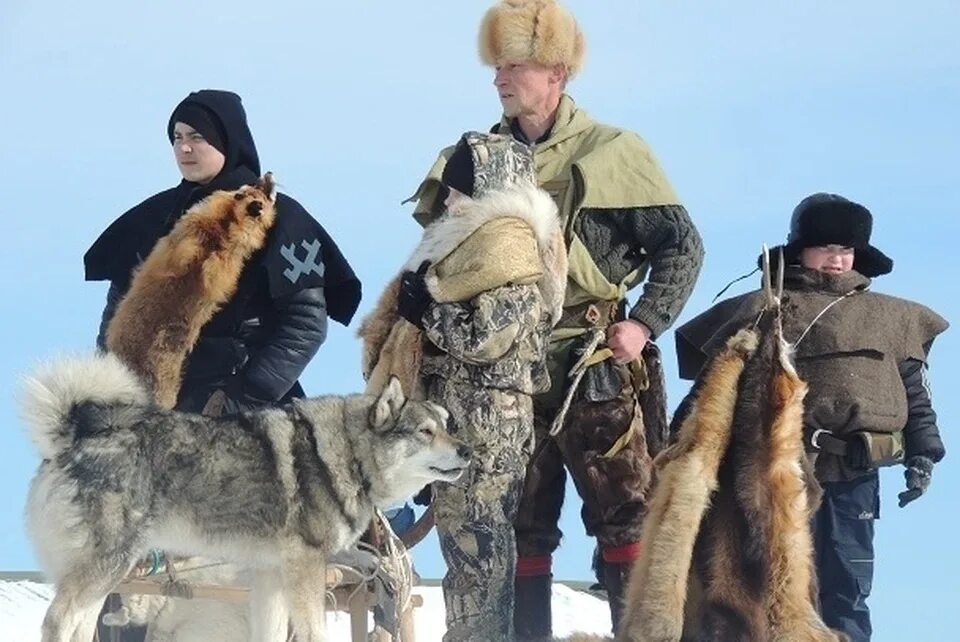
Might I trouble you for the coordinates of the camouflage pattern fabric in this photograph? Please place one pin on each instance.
(496, 340)
(474, 516)
(499, 161)
(613, 489)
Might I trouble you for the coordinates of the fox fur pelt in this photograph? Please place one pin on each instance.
(188, 276)
(475, 239)
(728, 553)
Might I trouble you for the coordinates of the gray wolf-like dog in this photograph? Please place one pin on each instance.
(276, 490)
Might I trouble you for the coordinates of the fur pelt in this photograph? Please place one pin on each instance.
(392, 346)
(733, 498)
(188, 276)
(541, 31)
(687, 477)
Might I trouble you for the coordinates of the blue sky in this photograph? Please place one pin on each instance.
(750, 106)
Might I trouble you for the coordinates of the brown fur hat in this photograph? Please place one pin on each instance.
(541, 31)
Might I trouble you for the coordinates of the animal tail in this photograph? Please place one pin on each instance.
(50, 394)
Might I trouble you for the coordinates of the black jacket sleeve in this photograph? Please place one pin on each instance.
(114, 295)
(921, 435)
(297, 329)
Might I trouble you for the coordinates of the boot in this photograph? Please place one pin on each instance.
(615, 576)
(532, 615)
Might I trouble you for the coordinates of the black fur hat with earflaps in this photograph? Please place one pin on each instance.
(830, 219)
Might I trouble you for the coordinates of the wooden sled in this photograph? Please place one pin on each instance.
(349, 588)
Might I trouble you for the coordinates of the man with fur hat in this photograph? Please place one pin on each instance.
(622, 223)
(864, 357)
(475, 305)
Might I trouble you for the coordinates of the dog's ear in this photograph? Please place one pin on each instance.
(268, 185)
(389, 404)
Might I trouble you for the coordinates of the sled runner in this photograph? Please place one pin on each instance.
(375, 577)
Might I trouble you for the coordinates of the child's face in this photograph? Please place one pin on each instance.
(833, 259)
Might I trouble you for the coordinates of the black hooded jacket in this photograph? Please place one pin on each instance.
(257, 345)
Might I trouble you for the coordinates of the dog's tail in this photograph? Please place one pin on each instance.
(53, 390)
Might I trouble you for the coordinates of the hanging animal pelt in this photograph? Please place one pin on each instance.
(187, 277)
(728, 552)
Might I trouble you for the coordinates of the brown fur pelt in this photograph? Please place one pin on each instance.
(728, 553)
(657, 589)
(754, 557)
(188, 276)
(392, 346)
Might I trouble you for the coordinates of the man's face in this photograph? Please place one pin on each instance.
(528, 87)
(198, 160)
(833, 259)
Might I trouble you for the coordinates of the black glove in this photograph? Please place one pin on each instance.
(918, 474)
(424, 497)
(237, 398)
(414, 297)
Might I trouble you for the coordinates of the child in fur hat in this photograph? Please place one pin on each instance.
(864, 357)
(475, 305)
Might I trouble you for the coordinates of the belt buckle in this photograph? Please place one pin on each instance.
(815, 435)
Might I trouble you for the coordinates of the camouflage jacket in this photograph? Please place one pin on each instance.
(497, 340)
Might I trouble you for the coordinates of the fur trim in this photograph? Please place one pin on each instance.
(538, 30)
(190, 274)
(393, 347)
(526, 202)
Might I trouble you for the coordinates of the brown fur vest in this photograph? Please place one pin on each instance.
(728, 544)
(477, 246)
(188, 276)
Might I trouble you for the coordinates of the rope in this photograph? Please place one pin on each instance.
(393, 569)
(821, 313)
(591, 355)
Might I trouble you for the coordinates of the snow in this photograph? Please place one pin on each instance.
(23, 604)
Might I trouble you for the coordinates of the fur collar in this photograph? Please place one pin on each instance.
(526, 202)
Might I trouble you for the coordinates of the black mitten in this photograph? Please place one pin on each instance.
(414, 297)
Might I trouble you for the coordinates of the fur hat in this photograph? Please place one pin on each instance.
(537, 30)
(831, 219)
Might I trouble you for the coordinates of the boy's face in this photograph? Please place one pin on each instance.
(198, 160)
(833, 259)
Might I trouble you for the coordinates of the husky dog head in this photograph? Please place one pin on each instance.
(414, 445)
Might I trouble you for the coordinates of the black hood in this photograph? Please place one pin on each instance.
(226, 109)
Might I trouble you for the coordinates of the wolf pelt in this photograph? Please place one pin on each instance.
(276, 491)
(392, 347)
(187, 277)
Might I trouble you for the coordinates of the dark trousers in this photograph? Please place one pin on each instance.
(843, 539)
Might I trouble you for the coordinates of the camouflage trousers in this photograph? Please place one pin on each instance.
(613, 488)
(474, 515)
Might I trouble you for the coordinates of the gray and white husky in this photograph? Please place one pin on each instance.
(276, 491)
